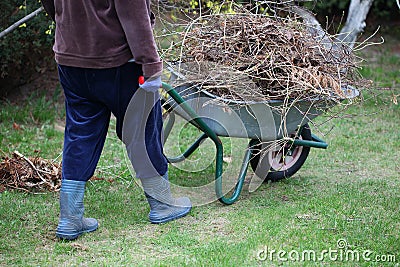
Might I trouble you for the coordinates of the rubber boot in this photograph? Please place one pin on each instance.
(163, 207)
(72, 224)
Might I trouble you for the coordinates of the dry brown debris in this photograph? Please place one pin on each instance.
(249, 56)
(29, 174)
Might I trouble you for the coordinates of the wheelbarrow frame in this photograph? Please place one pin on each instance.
(196, 120)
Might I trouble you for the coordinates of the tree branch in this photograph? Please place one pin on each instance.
(314, 27)
(21, 21)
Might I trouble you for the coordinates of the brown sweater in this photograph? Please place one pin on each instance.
(104, 33)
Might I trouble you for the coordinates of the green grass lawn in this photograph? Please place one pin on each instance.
(348, 194)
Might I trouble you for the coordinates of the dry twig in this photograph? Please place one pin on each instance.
(248, 56)
(29, 174)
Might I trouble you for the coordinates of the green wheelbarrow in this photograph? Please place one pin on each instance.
(280, 138)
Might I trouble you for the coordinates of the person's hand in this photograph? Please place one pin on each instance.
(151, 84)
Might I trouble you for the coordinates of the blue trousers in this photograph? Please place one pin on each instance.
(91, 95)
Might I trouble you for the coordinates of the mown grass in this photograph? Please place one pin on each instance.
(348, 192)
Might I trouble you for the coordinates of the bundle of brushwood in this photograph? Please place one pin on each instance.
(29, 174)
(246, 56)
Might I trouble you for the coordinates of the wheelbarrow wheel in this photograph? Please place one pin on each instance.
(284, 161)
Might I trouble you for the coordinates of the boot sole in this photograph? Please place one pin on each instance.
(73, 236)
(167, 219)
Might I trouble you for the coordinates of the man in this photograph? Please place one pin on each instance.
(95, 42)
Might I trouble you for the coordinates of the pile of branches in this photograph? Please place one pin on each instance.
(29, 174)
(248, 56)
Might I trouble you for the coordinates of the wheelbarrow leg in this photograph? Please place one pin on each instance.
(242, 174)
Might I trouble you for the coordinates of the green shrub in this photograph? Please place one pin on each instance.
(27, 49)
(380, 8)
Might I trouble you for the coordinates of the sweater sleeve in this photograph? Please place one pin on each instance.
(49, 7)
(134, 16)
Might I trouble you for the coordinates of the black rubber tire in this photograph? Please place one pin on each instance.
(276, 175)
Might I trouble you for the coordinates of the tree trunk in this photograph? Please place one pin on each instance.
(355, 22)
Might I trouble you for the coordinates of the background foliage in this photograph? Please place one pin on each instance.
(380, 8)
(27, 50)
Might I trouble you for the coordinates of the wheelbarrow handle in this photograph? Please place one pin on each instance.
(193, 115)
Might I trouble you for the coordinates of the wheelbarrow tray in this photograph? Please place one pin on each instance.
(265, 121)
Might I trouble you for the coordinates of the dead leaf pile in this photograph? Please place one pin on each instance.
(29, 174)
